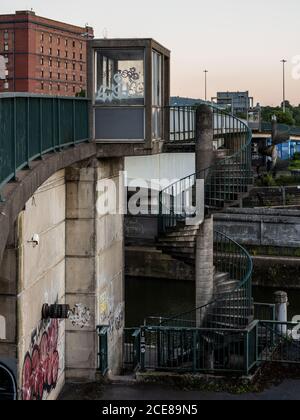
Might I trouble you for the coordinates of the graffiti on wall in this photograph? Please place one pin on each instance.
(80, 316)
(113, 317)
(41, 363)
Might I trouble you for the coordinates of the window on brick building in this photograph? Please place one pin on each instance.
(6, 35)
(66, 65)
(81, 67)
(66, 54)
(50, 75)
(50, 86)
(66, 88)
(74, 77)
(81, 45)
(74, 44)
(50, 51)
(42, 73)
(5, 46)
(42, 37)
(42, 61)
(74, 66)
(74, 55)
(58, 87)
(42, 49)
(50, 62)
(58, 76)
(50, 39)
(58, 41)
(74, 89)
(6, 84)
(81, 56)
(81, 78)
(58, 53)
(66, 42)
(66, 77)
(42, 86)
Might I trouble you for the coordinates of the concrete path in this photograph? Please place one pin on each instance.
(288, 390)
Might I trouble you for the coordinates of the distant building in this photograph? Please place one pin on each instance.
(42, 56)
(239, 102)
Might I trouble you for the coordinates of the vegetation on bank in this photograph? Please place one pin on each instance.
(268, 180)
(290, 117)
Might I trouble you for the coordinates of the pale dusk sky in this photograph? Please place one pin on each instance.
(239, 42)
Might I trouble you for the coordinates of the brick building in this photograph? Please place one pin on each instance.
(42, 55)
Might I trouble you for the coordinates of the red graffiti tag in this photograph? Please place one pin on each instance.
(41, 365)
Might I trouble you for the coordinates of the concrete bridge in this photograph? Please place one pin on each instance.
(57, 157)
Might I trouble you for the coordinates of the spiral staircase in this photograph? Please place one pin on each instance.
(219, 323)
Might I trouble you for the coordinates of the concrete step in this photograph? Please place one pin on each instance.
(220, 278)
(176, 244)
(179, 238)
(227, 286)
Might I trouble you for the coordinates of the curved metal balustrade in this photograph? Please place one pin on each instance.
(225, 181)
(33, 125)
(228, 309)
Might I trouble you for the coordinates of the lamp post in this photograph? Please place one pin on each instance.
(283, 66)
(205, 72)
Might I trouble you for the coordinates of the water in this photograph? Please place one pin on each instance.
(154, 297)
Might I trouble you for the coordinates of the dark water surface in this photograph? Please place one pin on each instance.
(154, 297)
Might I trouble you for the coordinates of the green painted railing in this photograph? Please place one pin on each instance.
(33, 125)
(225, 181)
(197, 350)
(231, 258)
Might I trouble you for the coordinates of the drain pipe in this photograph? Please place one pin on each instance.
(281, 310)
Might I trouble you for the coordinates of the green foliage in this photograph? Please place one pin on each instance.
(81, 94)
(266, 181)
(285, 180)
(290, 117)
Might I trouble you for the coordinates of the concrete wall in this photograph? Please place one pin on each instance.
(41, 279)
(165, 166)
(266, 227)
(94, 268)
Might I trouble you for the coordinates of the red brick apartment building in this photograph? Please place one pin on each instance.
(41, 55)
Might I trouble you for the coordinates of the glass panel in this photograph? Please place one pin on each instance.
(156, 82)
(120, 77)
(156, 95)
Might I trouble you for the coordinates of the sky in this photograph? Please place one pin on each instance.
(239, 42)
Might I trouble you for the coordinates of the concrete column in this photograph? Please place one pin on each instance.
(81, 345)
(204, 266)
(281, 302)
(94, 265)
(204, 139)
(204, 242)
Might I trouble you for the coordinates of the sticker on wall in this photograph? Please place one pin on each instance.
(80, 316)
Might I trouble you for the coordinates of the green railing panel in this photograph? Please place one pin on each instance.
(32, 125)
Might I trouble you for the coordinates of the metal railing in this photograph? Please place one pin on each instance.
(225, 181)
(131, 347)
(230, 309)
(198, 349)
(277, 342)
(291, 129)
(264, 311)
(102, 355)
(33, 125)
(182, 123)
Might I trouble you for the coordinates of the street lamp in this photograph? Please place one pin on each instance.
(205, 72)
(283, 65)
